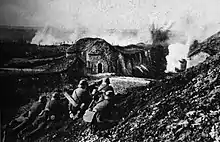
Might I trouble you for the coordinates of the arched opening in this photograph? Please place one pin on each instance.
(99, 68)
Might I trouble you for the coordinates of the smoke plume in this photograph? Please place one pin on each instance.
(123, 22)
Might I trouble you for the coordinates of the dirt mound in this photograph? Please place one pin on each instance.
(210, 46)
(183, 108)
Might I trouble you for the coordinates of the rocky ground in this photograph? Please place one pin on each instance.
(183, 108)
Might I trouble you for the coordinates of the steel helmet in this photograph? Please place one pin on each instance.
(106, 80)
(83, 83)
(56, 95)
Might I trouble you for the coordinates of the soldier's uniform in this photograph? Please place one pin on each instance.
(104, 105)
(53, 113)
(34, 111)
(81, 99)
(105, 87)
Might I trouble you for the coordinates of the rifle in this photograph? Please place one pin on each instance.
(70, 99)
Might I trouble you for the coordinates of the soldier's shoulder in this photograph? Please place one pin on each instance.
(35, 104)
(110, 86)
(80, 90)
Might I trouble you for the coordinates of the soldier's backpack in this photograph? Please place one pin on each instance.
(89, 115)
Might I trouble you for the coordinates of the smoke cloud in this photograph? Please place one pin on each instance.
(118, 22)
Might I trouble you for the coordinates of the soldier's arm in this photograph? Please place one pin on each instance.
(95, 94)
(46, 110)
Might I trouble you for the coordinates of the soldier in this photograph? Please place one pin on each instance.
(34, 111)
(104, 87)
(25, 120)
(104, 105)
(103, 112)
(81, 99)
(52, 114)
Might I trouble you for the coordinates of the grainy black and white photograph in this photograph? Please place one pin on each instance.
(110, 70)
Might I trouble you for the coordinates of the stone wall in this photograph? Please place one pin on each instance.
(96, 64)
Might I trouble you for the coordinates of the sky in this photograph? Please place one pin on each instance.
(192, 16)
(107, 14)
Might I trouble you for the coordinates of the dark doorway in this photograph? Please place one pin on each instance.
(99, 68)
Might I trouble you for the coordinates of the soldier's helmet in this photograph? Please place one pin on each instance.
(43, 98)
(183, 60)
(109, 94)
(83, 83)
(106, 80)
(56, 95)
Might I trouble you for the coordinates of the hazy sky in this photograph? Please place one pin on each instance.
(195, 19)
(106, 13)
